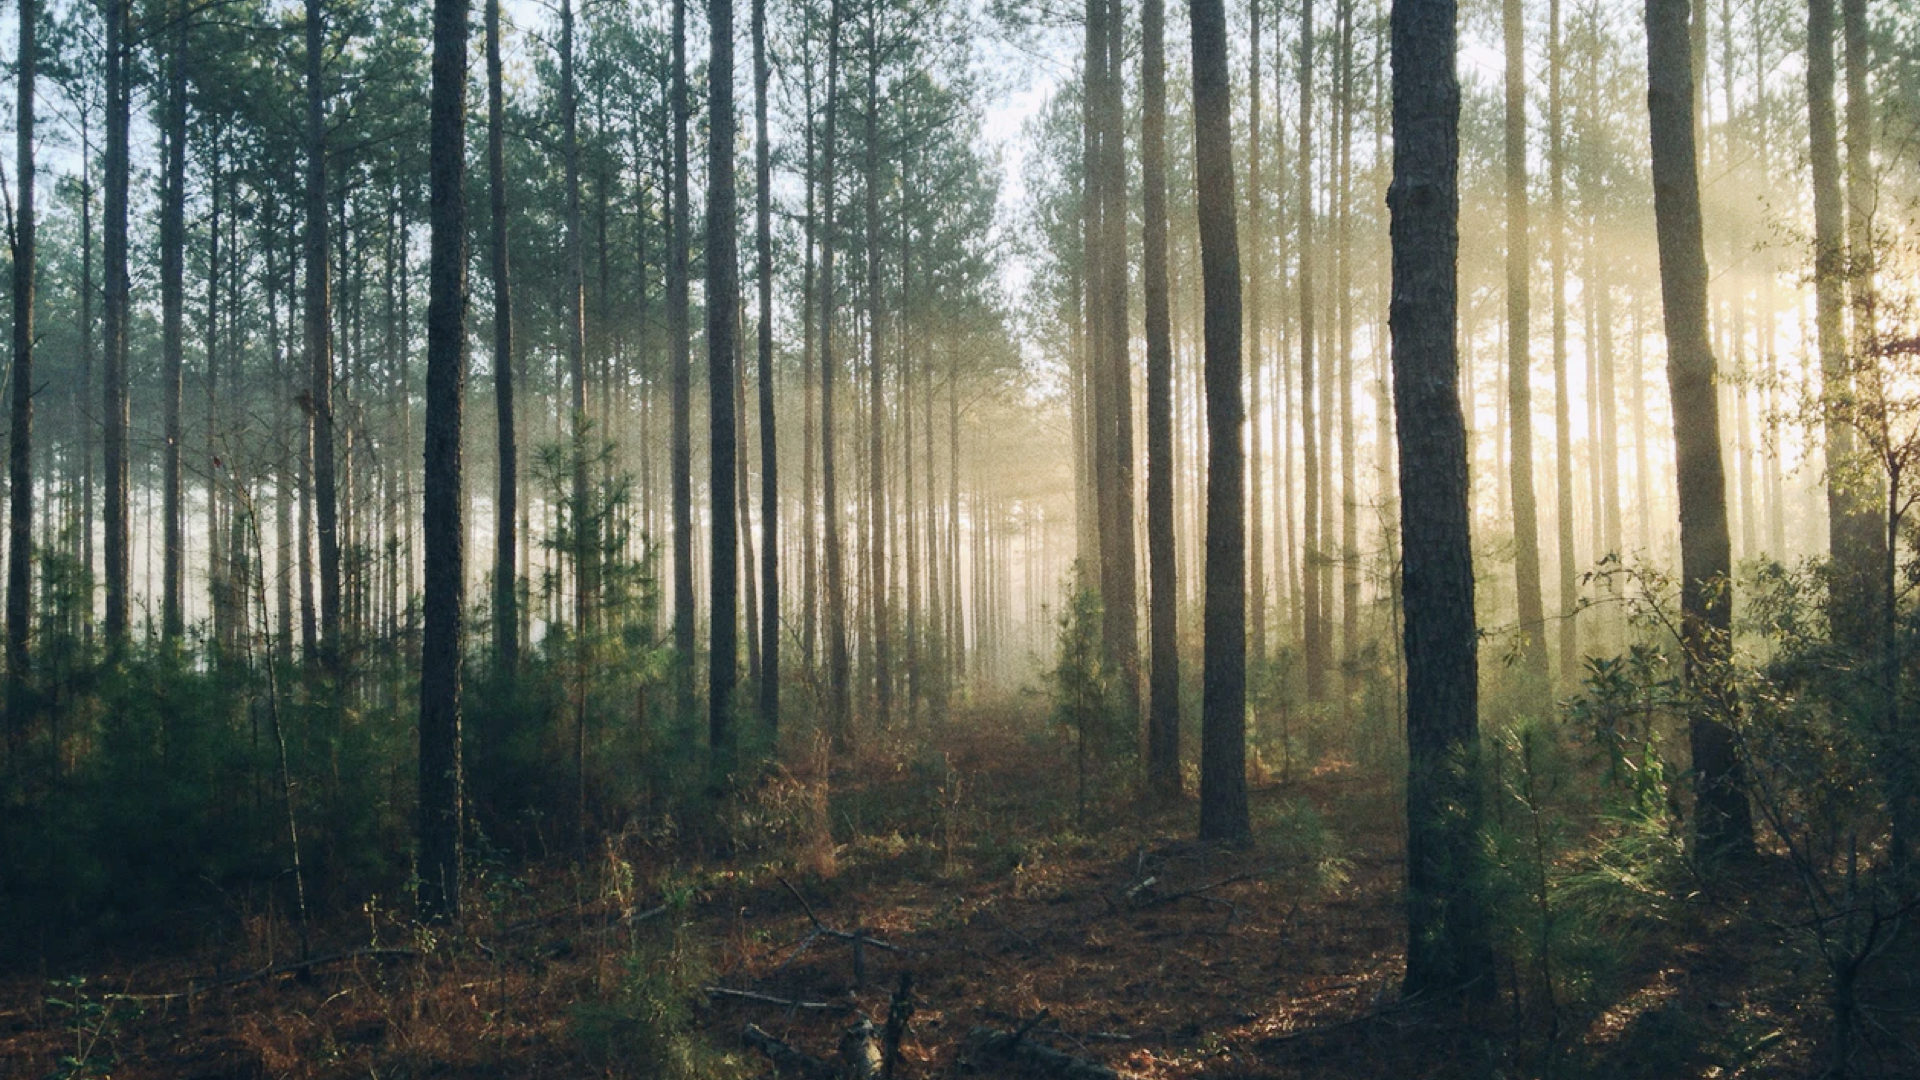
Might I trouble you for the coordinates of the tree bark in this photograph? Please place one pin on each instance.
(769, 445)
(1569, 643)
(319, 344)
(1118, 576)
(1223, 718)
(839, 675)
(1163, 710)
(1448, 944)
(116, 546)
(506, 593)
(1526, 529)
(876, 415)
(173, 250)
(441, 526)
(680, 363)
(1723, 823)
(722, 302)
(1314, 619)
(20, 435)
(1851, 523)
(1256, 340)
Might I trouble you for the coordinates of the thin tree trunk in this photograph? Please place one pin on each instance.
(506, 597)
(1349, 469)
(680, 363)
(1569, 643)
(743, 491)
(810, 536)
(319, 344)
(839, 675)
(769, 679)
(723, 301)
(876, 449)
(1163, 711)
(1256, 341)
(1853, 526)
(1118, 576)
(1314, 630)
(1526, 530)
(20, 434)
(173, 247)
(118, 549)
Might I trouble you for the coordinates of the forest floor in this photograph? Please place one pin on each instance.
(1109, 936)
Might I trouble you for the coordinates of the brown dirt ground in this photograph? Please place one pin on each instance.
(970, 862)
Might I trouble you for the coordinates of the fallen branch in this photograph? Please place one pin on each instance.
(1013, 1048)
(633, 918)
(835, 932)
(786, 1060)
(769, 999)
(859, 939)
(1199, 892)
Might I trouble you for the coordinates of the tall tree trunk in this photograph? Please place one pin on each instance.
(219, 587)
(743, 491)
(586, 522)
(680, 363)
(319, 343)
(285, 477)
(1723, 824)
(909, 541)
(440, 646)
(1526, 529)
(809, 536)
(1314, 628)
(1448, 940)
(1853, 528)
(1569, 644)
(117, 546)
(839, 675)
(1163, 710)
(20, 434)
(1223, 716)
(876, 414)
(173, 250)
(1092, 390)
(1349, 468)
(86, 398)
(1118, 577)
(769, 445)
(1255, 287)
(723, 300)
(506, 595)
(1861, 192)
